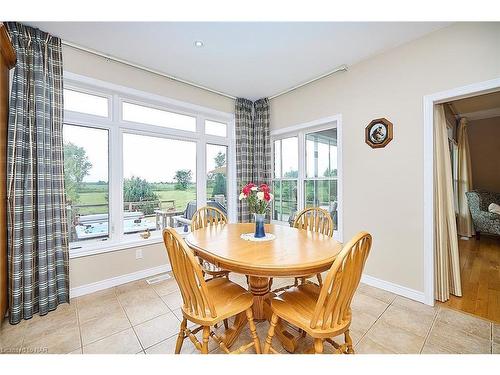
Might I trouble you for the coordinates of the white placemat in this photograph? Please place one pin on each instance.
(250, 237)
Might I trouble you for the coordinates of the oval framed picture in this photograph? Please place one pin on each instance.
(378, 133)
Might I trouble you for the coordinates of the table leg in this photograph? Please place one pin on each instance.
(234, 331)
(260, 288)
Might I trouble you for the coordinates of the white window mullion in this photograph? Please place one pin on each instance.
(232, 185)
(116, 178)
(302, 172)
(201, 164)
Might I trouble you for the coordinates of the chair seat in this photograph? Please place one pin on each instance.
(212, 269)
(228, 298)
(296, 305)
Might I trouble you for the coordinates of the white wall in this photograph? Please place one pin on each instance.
(95, 268)
(383, 188)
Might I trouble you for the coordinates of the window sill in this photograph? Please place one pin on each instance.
(100, 248)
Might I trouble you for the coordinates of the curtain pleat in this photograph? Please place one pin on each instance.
(253, 147)
(446, 264)
(37, 227)
(465, 227)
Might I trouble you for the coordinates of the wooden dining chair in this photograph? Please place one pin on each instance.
(324, 312)
(202, 218)
(206, 302)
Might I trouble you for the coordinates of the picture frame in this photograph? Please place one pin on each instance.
(379, 133)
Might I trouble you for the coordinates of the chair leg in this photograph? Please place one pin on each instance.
(206, 335)
(226, 324)
(348, 342)
(253, 330)
(478, 235)
(270, 333)
(320, 279)
(181, 336)
(296, 282)
(318, 346)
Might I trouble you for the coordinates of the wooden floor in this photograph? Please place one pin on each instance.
(480, 272)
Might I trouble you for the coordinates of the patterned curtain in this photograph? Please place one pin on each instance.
(244, 151)
(37, 228)
(253, 147)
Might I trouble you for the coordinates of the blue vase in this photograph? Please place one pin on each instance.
(259, 225)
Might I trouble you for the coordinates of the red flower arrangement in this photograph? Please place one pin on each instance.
(259, 197)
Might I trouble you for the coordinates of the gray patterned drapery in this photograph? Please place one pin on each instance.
(37, 228)
(253, 147)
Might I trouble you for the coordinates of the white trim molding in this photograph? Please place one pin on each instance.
(117, 280)
(428, 104)
(393, 288)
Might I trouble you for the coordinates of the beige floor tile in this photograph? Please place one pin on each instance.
(407, 320)
(124, 342)
(103, 326)
(496, 348)
(98, 307)
(168, 347)
(12, 335)
(380, 294)
(62, 318)
(436, 349)
(60, 341)
(133, 286)
(361, 323)
(395, 339)
(369, 305)
(416, 307)
(453, 339)
(173, 300)
(99, 296)
(496, 333)
(142, 305)
(165, 287)
(178, 314)
(158, 329)
(76, 351)
(369, 346)
(465, 322)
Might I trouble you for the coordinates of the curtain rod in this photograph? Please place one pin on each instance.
(125, 62)
(341, 68)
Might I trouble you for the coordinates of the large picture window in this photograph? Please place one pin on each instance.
(306, 172)
(133, 169)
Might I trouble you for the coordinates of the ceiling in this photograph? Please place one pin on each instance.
(250, 60)
(478, 107)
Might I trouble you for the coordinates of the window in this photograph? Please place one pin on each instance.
(286, 167)
(86, 183)
(159, 179)
(320, 187)
(215, 128)
(85, 103)
(153, 116)
(217, 176)
(152, 165)
(306, 172)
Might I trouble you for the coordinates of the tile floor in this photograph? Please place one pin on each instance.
(142, 318)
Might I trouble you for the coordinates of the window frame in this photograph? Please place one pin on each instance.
(300, 132)
(116, 127)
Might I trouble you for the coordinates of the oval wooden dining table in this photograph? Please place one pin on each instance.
(293, 253)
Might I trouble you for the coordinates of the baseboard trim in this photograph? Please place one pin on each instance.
(394, 288)
(117, 280)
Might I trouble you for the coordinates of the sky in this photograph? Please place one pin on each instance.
(152, 158)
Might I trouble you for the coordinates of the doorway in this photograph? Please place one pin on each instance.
(479, 255)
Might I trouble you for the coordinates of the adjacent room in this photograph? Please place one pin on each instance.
(250, 187)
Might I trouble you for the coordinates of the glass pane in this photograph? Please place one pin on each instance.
(86, 103)
(86, 183)
(215, 128)
(290, 157)
(277, 159)
(323, 194)
(217, 177)
(159, 186)
(285, 199)
(153, 116)
(321, 153)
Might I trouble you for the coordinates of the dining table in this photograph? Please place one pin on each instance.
(290, 253)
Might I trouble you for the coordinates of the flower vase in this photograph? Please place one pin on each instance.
(259, 225)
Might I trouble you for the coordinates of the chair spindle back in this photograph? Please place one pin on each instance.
(315, 219)
(206, 216)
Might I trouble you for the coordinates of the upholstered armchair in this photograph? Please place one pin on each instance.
(484, 221)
